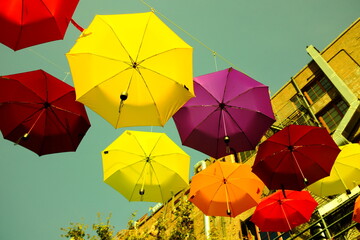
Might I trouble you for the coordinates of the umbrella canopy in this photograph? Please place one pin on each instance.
(356, 213)
(230, 111)
(25, 23)
(146, 166)
(136, 74)
(39, 112)
(225, 189)
(294, 157)
(344, 175)
(284, 210)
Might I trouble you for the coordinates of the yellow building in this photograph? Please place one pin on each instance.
(324, 93)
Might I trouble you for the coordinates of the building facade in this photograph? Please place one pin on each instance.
(323, 93)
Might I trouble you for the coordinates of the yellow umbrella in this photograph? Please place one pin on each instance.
(131, 69)
(344, 175)
(146, 166)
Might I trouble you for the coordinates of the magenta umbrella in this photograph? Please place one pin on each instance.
(231, 111)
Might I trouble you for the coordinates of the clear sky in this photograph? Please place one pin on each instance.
(264, 39)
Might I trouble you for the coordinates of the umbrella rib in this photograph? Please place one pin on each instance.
(122, 150)
(142, 38)
(251, 110)
(250, 143)
(310, 158)
(161, 192)
(248, 90)
(29, 89)
(155, 56)
(112, 29)
(63, 126)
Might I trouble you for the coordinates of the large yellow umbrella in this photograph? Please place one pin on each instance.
(145, 166)
(344, 175)
(131, 69)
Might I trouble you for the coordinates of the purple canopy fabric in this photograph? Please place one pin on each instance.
(229, 105)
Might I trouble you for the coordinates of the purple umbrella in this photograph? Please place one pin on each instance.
(231, 111)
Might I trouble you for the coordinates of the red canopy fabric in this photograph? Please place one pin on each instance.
(25, 23)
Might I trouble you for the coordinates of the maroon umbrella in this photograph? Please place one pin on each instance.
(24, 23)
(230, 111)
(39, 112)
(294, 157)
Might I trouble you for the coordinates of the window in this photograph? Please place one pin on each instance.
(333, 114)
(318, 88)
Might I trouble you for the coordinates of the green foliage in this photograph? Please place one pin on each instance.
(184, 228)
(105, 231)
(77, 231)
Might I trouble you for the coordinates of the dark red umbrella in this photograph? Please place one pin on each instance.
(39, 112)
(295, 157)
(24, 23)
(284, 210)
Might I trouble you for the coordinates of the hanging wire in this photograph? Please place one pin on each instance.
(191, 36)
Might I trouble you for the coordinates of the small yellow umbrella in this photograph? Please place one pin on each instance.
(131, 69)
(145, 166)
(344, 175)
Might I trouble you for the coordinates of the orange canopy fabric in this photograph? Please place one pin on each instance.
(356, 213)
(225, 189)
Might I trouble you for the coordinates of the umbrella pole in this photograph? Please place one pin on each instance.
(228, 211)
(26, 135)
(348, 191)
(287, 220)
(297, 164)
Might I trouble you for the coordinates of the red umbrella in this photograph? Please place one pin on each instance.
(284, 210)
(24, 23)
(294, 157)
(39, 112)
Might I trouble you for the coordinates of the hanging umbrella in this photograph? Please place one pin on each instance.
(295, 157)
(25, 23)
(39, 112)
(231, 111)
(344, 175)
(146, 166)
(131, 69)
(356, 213)
(225, 189)
(284, 210)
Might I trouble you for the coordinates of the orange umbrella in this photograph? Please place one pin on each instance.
(356, 214)
(225, 189)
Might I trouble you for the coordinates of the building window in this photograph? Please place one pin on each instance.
(318, 88)
(333, 114)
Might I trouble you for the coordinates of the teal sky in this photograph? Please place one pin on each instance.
(264, 39)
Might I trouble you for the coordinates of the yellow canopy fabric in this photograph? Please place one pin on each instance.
(131, 69)
(344, 175)
(146, 166)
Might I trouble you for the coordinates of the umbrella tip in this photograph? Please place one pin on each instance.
(106, 152)
(228, 212)
(123, 96)
(306, 181)
(348, 191)
(142, 191)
